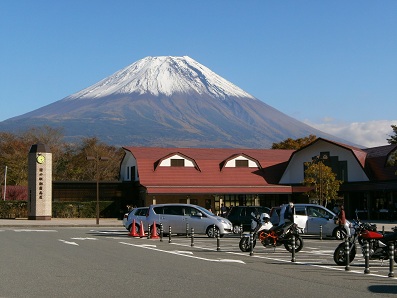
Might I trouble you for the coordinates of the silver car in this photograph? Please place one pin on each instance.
(311, 218)
(183, 217)
(140, 215)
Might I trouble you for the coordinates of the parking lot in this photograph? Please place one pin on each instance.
(316, 252)
(90, 261)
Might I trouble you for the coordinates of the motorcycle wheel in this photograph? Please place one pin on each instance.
(298, 243)
(340, 254)
(244, 244)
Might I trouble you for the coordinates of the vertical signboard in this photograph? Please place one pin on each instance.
(40, 182)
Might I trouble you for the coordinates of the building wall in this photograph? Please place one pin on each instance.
(294, 173)
(128, 168)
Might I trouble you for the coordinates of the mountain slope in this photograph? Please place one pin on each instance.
(167, 101)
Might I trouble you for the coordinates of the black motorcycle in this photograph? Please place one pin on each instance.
(275, 236)
(378, 243)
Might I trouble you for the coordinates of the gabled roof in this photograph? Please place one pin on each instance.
(359, 154)
(211, 178)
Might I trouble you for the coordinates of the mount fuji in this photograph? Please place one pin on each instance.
(166, 102)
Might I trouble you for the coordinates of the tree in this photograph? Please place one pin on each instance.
(294, 144)
(322, 180)
(14, 154)
(69, 159)
(393, 138)
(392, 160)
(73, 164)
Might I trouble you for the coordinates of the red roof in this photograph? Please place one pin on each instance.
(376, 163)
(210, 175)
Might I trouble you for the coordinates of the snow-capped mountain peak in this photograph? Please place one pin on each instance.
(163, 75)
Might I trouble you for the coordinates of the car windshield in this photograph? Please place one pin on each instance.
(205, 211)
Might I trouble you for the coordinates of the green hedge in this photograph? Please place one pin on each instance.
(19, 209)
(13, 209)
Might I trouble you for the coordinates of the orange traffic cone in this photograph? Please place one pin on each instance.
(141, 230)
(154, 232)
(133, 232)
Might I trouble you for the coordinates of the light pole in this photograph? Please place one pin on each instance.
(5, 184)
(97, 159)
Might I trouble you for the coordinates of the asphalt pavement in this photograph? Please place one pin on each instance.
(114, 222)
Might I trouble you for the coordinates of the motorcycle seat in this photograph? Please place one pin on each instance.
(281, 227)
(390, 237)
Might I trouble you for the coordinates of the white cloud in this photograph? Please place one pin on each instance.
(369, 134)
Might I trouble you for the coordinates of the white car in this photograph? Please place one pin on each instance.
(310, 217)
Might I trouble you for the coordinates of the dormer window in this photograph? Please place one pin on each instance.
(177, 162)
(241, 163)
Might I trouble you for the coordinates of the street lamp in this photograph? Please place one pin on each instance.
(5, 184)
(97, 159)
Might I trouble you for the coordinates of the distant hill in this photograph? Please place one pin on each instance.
(168, 102)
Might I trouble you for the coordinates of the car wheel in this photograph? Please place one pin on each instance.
(339, 233)
(236, 229)
(211, 232)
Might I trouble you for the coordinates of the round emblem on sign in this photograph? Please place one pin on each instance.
(40, 159)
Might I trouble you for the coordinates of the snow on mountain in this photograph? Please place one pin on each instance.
(164, 75)
(169, 102)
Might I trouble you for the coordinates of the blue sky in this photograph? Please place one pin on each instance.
(330, 64)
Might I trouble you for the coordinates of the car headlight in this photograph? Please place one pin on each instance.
(224, 221)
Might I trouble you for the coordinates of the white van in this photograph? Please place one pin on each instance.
(310, 217)
(182, 216)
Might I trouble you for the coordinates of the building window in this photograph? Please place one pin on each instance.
(133, 178)
(177, 162)
(241, 163)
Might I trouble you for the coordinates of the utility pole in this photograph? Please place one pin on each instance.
(5, 184)
(97, 159)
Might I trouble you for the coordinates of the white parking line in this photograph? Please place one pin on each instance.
(68, 242)
(282, 257)
(85, 238)
(30, 230)
(184, 254)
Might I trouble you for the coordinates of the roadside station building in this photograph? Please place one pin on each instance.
(210, 177)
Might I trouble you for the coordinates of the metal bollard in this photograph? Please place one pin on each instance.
(366, 255)
(161, 232)
(241, 231)
(148, 231)
(391, 257)
(218, 246)
(347, 253)
(293, 248)
(192, 237)
(251, 244)
(169, 234)
(187, 230)
(321, 232)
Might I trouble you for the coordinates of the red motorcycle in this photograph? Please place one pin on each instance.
(378, 243)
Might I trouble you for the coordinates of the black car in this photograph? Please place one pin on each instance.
(242, 215)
